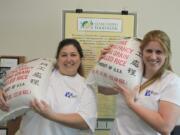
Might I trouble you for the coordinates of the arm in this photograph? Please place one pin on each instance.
(12, 125)
(3, 104)
(104, 51)
(162, 120)
(73, 120)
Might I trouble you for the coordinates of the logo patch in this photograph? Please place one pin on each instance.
(148, 93)
(69, 94)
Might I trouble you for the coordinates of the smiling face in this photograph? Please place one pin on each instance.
(156, 51)
(154, 58)
(68, 60)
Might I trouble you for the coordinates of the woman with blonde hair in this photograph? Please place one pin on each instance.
(152, 109)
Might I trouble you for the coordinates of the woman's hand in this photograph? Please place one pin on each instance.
(129, 95)
(3, 104)
(42, 108)
(73, 120)
(104, 51)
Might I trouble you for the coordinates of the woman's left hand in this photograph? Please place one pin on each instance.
(42, 108)
(129, 95)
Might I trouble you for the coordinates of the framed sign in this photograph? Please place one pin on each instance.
(96, 30)
(9, 61)
(3, 131)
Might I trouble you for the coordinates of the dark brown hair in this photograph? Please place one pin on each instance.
(76, 44)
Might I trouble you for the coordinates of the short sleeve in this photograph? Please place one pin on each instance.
(91, 81)
(88, 107)
(171, 91)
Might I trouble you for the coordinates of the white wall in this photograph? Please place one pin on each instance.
(33, 28)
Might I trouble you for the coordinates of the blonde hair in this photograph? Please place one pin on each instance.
(163, 39)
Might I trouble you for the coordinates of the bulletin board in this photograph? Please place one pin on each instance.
(94, 31)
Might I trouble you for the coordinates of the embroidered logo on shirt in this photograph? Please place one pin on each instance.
(148, 93)
(70, 95)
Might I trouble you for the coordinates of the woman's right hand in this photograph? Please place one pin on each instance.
(104, 51)
(3, 104)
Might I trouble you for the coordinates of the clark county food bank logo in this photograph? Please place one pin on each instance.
(87, 24)
(94, 24)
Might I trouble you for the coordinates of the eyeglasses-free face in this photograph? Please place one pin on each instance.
(69, 60)
(154, 57)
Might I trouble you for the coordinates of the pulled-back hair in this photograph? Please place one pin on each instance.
(76, 44)
(164, 41)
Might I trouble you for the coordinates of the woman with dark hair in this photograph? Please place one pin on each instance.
(69, 105)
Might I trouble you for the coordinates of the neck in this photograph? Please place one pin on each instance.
(148, 75)
(67, 74)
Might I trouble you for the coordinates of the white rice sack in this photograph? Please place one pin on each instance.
(123, 65)
(24, 83)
